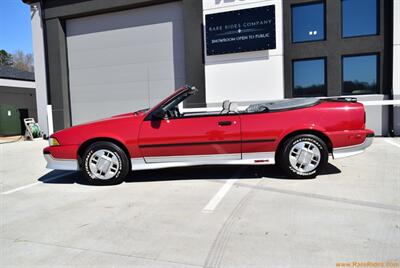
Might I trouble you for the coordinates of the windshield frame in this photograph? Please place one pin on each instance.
(183, 90)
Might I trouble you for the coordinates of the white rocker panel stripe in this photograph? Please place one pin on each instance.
(191, 158)
(260, 158)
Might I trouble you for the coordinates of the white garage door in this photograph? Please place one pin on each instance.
(124, 61)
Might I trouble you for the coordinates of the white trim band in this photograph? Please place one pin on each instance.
(260, 158)
(192, 158)
(352, 150)
(61, 164)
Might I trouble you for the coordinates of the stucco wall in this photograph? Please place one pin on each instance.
(248, 76)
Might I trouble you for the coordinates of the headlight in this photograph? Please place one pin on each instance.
(53, 142)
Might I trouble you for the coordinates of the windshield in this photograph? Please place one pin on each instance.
(175, 102)
(182, 92)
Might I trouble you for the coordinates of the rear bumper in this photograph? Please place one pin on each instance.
(342, 152)
(58, 163)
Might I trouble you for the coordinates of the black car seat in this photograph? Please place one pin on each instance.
(233, 108)
(225, 107)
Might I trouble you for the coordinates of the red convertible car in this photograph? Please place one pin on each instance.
(298, 135)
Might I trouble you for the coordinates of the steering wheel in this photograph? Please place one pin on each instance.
(177, 112)
(174, 113)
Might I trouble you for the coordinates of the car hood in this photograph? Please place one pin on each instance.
(118, 126)
(122, 115)
(111, 118)
(104, 120)
(136, 113)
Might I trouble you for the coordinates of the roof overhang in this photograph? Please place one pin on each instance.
(5, 82)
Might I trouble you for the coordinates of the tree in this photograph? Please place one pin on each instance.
(23, 61)
(6, 58)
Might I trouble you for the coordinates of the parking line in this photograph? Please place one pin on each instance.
(35, 183)
(392, 143)
(213, 203)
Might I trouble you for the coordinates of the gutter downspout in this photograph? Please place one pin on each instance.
(389, 50)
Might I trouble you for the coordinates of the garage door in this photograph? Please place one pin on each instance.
(124, 61)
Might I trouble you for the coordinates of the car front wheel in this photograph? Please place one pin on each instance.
(105, 163)
(303, 156)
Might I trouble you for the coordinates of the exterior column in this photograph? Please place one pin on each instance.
(40, 66)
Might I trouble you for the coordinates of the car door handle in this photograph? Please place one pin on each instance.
(224, 123)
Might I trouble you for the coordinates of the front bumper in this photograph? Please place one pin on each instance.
(60, 164)
(342, 152)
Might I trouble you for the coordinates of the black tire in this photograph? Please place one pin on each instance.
(284, 158)
(121, 158)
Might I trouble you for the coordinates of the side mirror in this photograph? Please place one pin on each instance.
(158, 114)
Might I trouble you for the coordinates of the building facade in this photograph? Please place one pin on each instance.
(98, 57)
(17, 90)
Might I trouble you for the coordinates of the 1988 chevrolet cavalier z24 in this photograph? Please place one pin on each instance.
(297, 134)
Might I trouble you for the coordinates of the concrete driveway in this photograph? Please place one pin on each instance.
(232, 216)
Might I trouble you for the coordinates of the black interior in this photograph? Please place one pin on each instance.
(171, 109)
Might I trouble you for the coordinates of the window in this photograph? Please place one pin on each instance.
(309, 78)
(308, 22)
(360, 74)
(359, 17)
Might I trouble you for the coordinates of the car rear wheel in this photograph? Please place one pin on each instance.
(105, 163)
(303, 156)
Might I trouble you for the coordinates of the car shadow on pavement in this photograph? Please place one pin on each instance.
(185, 173)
